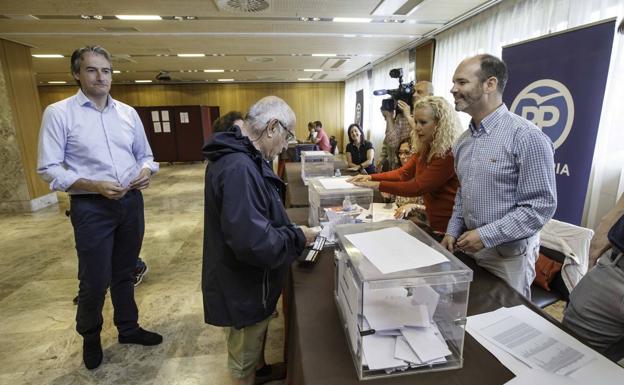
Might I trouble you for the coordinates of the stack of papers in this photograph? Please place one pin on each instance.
(404, 332)
(528, 345)
(392, 249)
(337, 183)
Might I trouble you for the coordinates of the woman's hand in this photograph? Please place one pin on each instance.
(404, 211)
(368, 183)
(359, 178)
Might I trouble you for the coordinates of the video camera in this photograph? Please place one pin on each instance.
(404, 92)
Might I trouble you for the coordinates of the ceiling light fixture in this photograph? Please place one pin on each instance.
(304, 79)
(324, 54)
(116, 71)
(138, 17)
(351, 20)
(225, 80)
(142, 81)
(57, 82)
(313, 70)
(214, 70)
(191, 55)
(48, 56)
(388, 7)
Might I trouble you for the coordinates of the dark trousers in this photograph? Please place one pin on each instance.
(108, 237)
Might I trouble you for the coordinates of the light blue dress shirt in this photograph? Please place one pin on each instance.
(506, 173)
(78, 141)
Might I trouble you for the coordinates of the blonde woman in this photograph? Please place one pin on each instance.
(430, 172)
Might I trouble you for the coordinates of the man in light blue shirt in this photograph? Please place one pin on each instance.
(95, 148)
(506, 171)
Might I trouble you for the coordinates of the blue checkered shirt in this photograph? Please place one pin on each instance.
(506, 173)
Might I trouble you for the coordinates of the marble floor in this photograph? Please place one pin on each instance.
(38, 343)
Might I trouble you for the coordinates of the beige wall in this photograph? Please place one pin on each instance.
(21, 117)
(310, 101)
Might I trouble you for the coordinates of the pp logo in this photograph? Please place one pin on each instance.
(548, 104)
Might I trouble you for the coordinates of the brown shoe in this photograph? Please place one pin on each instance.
(269, 373)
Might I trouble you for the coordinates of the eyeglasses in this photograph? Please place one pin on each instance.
(289, 135)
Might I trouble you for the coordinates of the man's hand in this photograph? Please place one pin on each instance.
(405, 210)
(386, 195)
(470, 241)
(309, 234)
(142, 181)
(367, 183)
(111, 190)
(448, 242)
(405, 109)
(359, 178)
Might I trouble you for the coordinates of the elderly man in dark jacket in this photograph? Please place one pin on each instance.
(249, 242)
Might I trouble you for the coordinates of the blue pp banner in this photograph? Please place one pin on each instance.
(558, 82)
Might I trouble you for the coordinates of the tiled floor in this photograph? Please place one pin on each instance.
(38, 343)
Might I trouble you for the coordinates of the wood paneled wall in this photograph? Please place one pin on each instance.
(309, 101)
(424, 60)
(22, 90)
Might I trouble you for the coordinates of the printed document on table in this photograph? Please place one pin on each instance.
(533, 347)
(316, 153)
(392, 249)
(540, 377)
(336, 183)
(598, 371)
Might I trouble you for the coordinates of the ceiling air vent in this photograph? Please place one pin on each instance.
(244, 6)
(260, 59)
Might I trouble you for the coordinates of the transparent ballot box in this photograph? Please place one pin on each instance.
(315, 164)
(334, 200)
(402, 299)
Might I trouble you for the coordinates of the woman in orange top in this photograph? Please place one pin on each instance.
(430, 172)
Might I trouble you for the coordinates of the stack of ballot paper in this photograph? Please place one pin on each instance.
(403, 332)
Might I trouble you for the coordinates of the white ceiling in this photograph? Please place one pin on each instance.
(270, 45)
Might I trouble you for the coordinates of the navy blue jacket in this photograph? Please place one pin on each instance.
(249, 242)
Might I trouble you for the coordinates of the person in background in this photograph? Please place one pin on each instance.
(322, 140)
(249, 241)
(505, 165)
(227, 121)
(408, 206)
(398, 127)
(312, 133)
(360, 152)
(429, 172)
(95, 148)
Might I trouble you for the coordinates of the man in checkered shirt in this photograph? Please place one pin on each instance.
(506, 172)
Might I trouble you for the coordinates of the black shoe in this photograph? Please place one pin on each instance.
(139, 273)
(141, 337)
(269, 373)
(92, 352)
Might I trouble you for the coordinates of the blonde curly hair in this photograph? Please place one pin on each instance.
(448, 127)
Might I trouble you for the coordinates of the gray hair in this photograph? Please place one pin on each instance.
(76, 57)
(267, 108)
(429, 86)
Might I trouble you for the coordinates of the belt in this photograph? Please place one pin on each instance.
(97, 196)
(618, 257)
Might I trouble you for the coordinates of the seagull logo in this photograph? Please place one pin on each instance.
(549, 104)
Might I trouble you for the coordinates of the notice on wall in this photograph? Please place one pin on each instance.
(166, 127)
(165, 115)
(155, 117)
(157, 127)
(184, 117)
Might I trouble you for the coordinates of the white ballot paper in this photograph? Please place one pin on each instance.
(391, 308)
(539, 377)
(379, 352)
(312, 153)
(593, 368)
(383, 211)
(336, 183)
(427, 343)
(392, 249)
